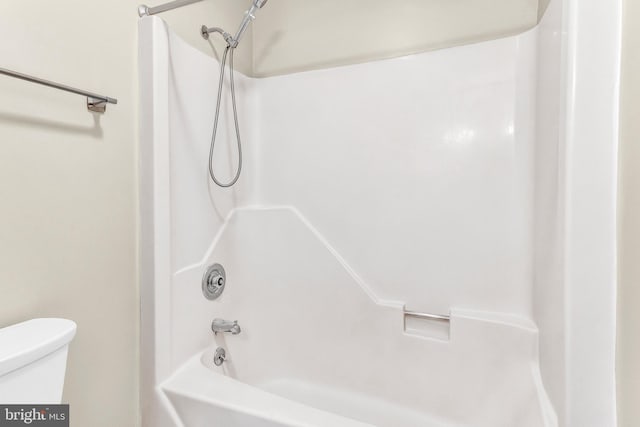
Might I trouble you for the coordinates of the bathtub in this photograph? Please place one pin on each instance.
(399, 379)
(205, 395)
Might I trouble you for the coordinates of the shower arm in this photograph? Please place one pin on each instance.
(227, 37)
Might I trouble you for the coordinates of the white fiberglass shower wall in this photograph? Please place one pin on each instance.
(442, 183)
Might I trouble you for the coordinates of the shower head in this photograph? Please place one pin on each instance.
(248, 17)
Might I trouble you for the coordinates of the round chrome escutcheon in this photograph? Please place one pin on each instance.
(213, 281)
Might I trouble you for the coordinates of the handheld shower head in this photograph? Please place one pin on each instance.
(248, 17)
(232, 43)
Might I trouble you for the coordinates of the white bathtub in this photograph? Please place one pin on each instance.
(208, 396)
(280, 384)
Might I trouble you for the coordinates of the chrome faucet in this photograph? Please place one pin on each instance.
(221, 325)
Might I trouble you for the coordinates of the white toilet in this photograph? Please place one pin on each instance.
(33, 360)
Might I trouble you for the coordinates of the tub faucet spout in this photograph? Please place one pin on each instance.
(221, 325)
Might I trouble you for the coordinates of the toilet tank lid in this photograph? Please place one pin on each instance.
(29, 341)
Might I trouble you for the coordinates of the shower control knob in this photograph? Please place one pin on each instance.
(213, 281)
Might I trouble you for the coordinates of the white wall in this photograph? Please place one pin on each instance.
(182, 210)
(549, 302)
(293, 35)
(591, 55)
(629, 229)
(417, 171)
(542, 7)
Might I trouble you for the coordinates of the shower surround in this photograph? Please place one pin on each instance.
(434, 183)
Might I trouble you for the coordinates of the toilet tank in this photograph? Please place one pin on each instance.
(33, 360)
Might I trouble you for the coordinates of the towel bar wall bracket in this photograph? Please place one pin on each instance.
(96, 105)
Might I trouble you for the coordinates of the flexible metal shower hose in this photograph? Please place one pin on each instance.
(217, 116)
